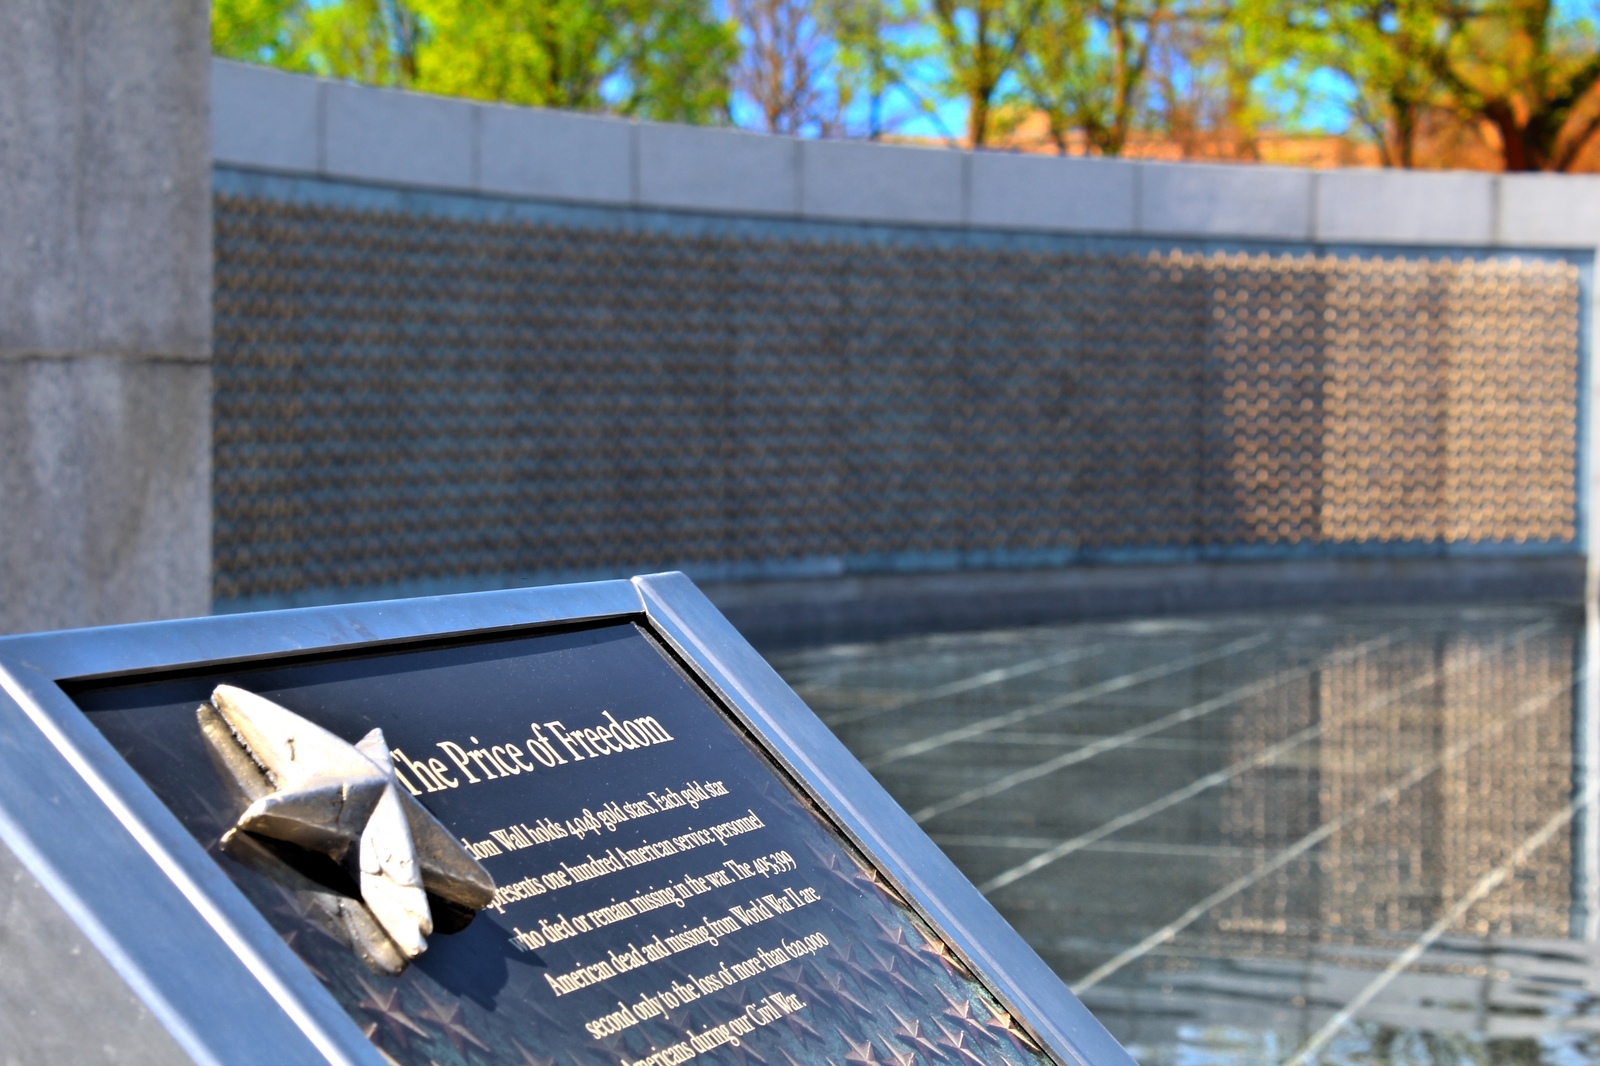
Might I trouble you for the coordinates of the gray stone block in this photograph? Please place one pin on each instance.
(882, 183)
(60, 1000)
(105, 312)
(555, 154)
(399, 138)
(105, 224)
(105, 491)
(717, 170)
(1549, 210)
(1211, 200)
(1053, 193)
(264, 118)
(1404, 207)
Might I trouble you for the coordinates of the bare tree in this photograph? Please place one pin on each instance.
(868, 60)
(786, 52)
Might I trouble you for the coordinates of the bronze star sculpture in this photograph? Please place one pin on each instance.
(311, 788)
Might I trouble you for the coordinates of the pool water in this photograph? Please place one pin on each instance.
(1345, 836)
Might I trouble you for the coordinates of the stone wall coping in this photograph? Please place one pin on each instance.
(264, 119)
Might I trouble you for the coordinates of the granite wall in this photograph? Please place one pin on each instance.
(105, 312)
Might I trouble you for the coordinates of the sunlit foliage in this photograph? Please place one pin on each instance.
(1500, 84)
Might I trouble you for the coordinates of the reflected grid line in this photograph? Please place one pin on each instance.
(1023, 738)
(968, 684)
(1227, 773)
(1128, 736)
(1122, 847)
(1485, 885)
(1056, 703)
(1315, 837)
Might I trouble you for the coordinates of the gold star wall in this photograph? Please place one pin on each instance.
(405, 397)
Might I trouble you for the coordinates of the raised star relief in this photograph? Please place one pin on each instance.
(313, 789)
(956, 1041)
(859, 1053)
(1003, 1021)
(901, 1058)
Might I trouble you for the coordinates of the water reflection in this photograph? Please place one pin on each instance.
(1346, 837)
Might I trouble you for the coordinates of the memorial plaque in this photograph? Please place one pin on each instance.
(664, 888)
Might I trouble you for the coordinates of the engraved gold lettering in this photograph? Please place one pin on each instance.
(556, 728)
(516, 757)
(512, 838)
(612, 1023)
(581, 977)
(605, 738)
(761, 1012)
(483, 849)
(419, 769)
(651, 729)
(477, 755)
(440, 771)
(621, 733)
(402, 778)
(458, 756)
(611, 737)
(591, 742)
(515, 892)
(588, 871)
(541, 748)
(529, 941)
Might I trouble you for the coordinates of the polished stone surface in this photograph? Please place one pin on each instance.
(1350, 836)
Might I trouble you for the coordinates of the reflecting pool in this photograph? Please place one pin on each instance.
(1348, 836)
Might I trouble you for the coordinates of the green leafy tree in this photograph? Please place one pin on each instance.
(1209, 75)
(1086, 67)
(1387, 51)
(980, 43)
(1222, 73)
(675, 61)
(1528, 71)
(369, 41)
(870, 57)
(255, 31)
(665, 60)
(547, 54)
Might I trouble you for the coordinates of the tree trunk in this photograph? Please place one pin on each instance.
(1405, 135)
(978, 119)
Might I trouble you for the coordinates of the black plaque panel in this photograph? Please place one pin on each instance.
(672, 897)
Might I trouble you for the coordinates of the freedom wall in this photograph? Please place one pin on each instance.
(469, 346)
(452, 346)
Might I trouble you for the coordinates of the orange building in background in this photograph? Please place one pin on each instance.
(1444, 143)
